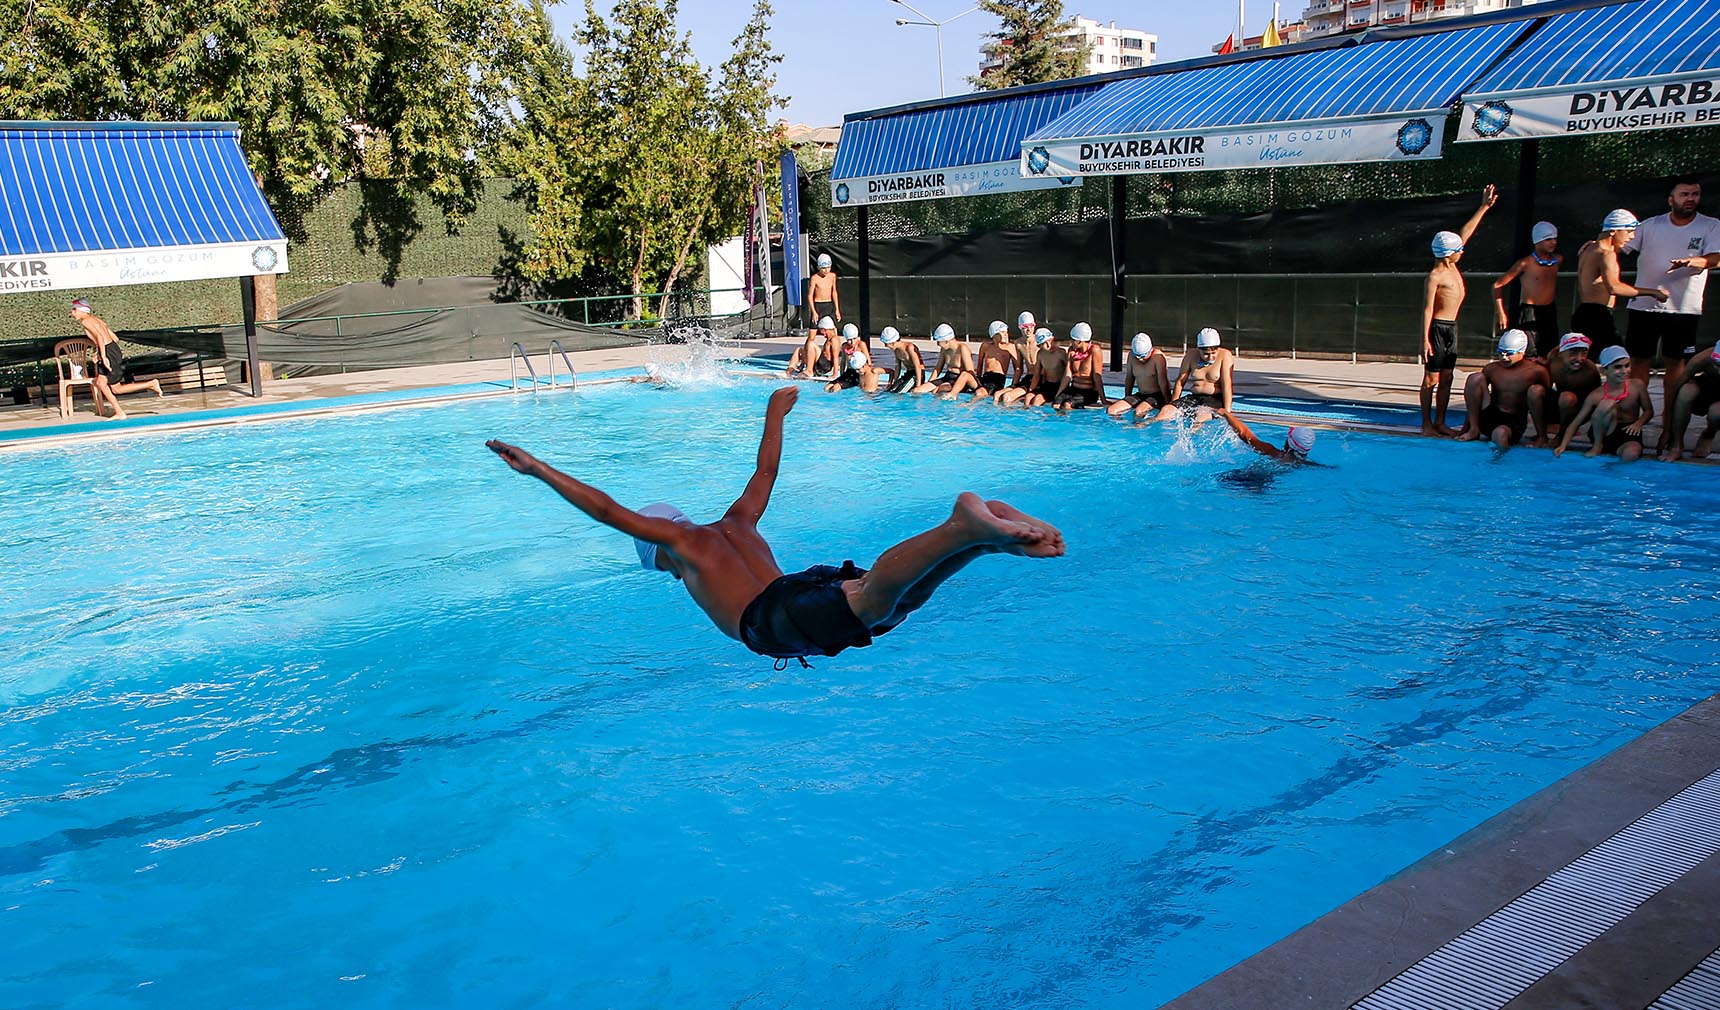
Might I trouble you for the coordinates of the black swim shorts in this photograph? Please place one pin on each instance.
(947, 379)
(1047, 390)
(1079, 396)
(1673, 334)
(822, 309)
(806, 614)
(904, 378)
(1492, 417)
(1707, 392)
(110, 363)
(1194, 401)
(993, 382)
(848, 379)
(1442, 339)
(1543, 322)
(1597, 323)
(1617, 439)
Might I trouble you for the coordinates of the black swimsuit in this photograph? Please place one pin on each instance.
(807, 614)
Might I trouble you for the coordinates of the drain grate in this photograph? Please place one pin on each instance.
(1699, 990)
(1489, 964)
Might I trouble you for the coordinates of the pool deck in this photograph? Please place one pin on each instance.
(1383, 938)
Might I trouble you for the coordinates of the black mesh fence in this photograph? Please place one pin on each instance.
(1322, 261)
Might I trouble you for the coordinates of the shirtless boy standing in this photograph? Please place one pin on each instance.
(1538, 272)
(821, 290)
(1146, 382)
(1444, 297)
(107, 365)
(1599, 283)
(1614, 414)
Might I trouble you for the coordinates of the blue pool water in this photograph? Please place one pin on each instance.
(345, 713)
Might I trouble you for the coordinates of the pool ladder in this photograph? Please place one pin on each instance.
(517, 355)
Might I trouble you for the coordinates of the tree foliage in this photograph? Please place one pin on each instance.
(395, 96)
(1035, 43)
(632, 168)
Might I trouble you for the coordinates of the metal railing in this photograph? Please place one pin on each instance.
(517, 354)
(554, 349)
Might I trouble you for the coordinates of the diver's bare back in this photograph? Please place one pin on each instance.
(724, 565)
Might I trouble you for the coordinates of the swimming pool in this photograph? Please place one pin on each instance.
(344, 713)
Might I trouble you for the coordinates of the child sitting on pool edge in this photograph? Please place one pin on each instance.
(731, 574)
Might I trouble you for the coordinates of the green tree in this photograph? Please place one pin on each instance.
(631, 168)
(1035, 43)
(397, 97)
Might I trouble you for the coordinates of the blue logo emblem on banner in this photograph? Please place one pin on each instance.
(264, 258)
(842, 192)
(1414, 136)
(1491, 119)
(1038, 161)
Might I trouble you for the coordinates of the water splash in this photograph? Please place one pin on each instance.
(695, 356)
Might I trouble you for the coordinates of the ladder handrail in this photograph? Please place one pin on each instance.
(572, 376)
(518, 353)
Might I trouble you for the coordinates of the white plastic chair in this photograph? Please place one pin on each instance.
(73, 363)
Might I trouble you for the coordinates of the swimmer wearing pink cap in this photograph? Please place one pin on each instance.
(1538, 275)
(1506, 395)
(1614, 414)
(1572, 368)
(1146, 381)
(1697, 395)
(1298, 442)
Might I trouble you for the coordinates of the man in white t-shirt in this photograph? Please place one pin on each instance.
(1677, 249)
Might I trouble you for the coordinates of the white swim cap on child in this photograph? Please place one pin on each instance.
(1025, 321)
(1207, 338)
(1619, 220)
(1612, 354)
(997, 326)
(856, 359)
(1300, 440)
(1513, 342)
(79, 305)
(1445, 243)
(1081, 333)
(943, 332)
(1142, 346)
(827, 323)
(648, 551)
(1574, 340)
(823, 260)
(850, 331)
(889, 336)
(1543, 231)
(1043, 335)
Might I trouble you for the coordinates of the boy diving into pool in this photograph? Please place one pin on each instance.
(730, 572)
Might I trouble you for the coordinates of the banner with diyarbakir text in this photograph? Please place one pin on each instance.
(1590, 110)
(1412, 138)
(939, 184)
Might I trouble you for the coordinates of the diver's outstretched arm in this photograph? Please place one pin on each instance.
(751, 504)
(588, 499)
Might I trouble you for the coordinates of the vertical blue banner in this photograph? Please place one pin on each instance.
(791, 256)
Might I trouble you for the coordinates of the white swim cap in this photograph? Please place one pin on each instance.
(1571, 341)
(827, 323)
(1081, 333)
(1543, 231)
(856, 359)
(850, 331)
(648, 551)
(1300, 441)
(1207, 338)
(1619, 220)
(997, 326)
(943, 332)
(1445, 243)
(1142, 346)
(823, 260)
(1612, 354)
(1043, 335)
(1025, 321)
(889, 336)
(1513, 342)
(79, 305)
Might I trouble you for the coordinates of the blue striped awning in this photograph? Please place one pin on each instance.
(969, 147)
(1647, 64)
(121, 203)
(1233, 107)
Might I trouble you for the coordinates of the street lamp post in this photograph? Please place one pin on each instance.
(926, 21)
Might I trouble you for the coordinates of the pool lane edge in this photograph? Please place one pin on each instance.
(1342, 957)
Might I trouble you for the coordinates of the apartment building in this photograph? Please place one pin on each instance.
(1330, 17)
(1109, 47)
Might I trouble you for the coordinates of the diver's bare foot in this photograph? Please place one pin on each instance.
(155, 386)
(1050, 546)
(986, 526)
(117, 415)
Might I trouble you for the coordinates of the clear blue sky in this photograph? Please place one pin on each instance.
(842, 56)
